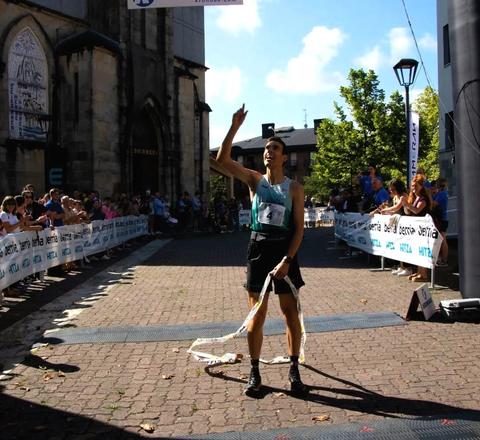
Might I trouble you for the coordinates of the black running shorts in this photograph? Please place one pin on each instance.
(263, 254)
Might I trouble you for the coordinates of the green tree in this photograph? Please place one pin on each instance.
(427, 106)
(375, 133)
(218, 186)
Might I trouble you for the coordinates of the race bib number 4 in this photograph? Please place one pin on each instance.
(271, 214)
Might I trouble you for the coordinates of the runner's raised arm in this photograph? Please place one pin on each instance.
(224, 155)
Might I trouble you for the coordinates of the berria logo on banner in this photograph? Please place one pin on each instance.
(143, 3)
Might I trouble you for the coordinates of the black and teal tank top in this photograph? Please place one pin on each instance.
(272, 207)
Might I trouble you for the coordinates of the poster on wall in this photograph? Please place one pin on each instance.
(27, 87)
(142, 4)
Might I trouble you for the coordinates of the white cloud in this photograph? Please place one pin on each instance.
(401, 44)
(371, 60)
(428, 42)
(414, 94)
(225, 84)
(235, 19)
(306, 73)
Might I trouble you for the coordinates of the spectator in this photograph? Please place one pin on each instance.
(233, 220)
(79, 210)
(440, 198)
(308, 202)
(88, 203)
(97, 212)
(418, 203)
(380, 196)
(348, 202)
(24, 219)
(108, 209)
(426, 183)
(8, 215)
(197, 211)
(35, 210)
(159, 210)
(10, 225)
(398, 194)
(71, 217)
(184, 207)
(55, 212)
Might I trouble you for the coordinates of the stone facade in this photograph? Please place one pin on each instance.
(121, 98)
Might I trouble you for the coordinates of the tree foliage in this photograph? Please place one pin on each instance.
(427, 106)
(370, 129)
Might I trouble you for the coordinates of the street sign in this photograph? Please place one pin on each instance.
(422, 297)
(143, 4)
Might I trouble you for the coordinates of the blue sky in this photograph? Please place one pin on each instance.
(280, 57)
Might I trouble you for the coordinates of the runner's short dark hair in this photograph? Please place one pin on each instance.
(280, 141)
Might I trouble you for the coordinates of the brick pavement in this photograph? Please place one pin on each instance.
(423, 369)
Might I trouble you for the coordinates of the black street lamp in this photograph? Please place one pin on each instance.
(406, 70)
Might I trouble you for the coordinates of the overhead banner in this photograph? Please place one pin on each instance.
(142, 4)
(410, 239)
(414, 143)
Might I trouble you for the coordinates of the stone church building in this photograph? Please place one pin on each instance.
(96, 96)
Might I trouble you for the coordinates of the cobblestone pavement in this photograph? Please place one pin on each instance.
(83, 391)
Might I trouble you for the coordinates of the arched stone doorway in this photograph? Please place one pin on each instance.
(145, 154)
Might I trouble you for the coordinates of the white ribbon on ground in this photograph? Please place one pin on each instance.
(230, 358)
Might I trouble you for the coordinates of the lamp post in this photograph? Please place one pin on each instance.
(406, 70)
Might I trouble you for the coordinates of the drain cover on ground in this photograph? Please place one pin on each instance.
(457, 426)
(182, 332)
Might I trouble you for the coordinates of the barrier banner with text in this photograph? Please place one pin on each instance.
(25, 253)
(244, 217)
(143, 4)
(314, 215)
(413, 240)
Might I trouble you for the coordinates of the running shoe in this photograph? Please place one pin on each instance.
(254, 383)
(296, 384)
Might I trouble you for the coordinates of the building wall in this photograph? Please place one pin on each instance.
(189, 42)
(447, 155)
(98, 91)
(77, 8)
(105, 145)
(23, 162)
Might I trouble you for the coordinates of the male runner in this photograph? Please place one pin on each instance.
(277, 225)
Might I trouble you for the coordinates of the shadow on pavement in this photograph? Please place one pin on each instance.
(35, 361)
(354, 397)
(36, 295)
(21, 419)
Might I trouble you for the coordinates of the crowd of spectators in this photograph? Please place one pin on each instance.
(368, 195)
(29, 211)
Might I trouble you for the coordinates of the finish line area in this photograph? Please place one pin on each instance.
(276, 326)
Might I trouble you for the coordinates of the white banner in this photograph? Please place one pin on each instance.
(320, 215)
(244, 217)
(26, 253)
(414, 143)
(409, 239)
(142, 4)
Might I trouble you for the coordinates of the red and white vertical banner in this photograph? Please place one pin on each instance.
(414, 143)
(143, 4)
